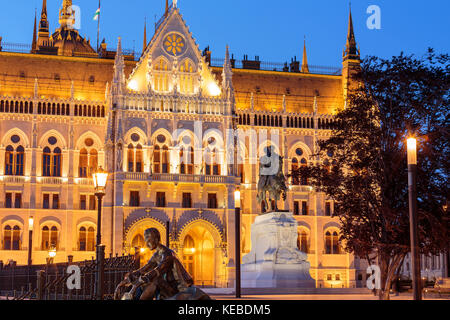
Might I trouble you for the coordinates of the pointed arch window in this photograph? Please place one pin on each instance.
(45, 243)
(186, 77)
(332, 243)
(302, 241)
(130, 158)
(298, 161)
(187, 160)
(16, 238)
(188, 254)
(7, 238)
(83, 164)
(161, 157)
(157, 159)
(14, 161)
(135, 158)
(93, 162)
(86, 239)
(139, 159)
(212, 167)
(82, 239)
(165, 159)
(161, 75)
(51, 162)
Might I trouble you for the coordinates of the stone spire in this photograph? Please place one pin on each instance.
(43, 32)
(227, 72)
(305, 68)
(34, 42)
(65, 14)
(144, 45)
(351, 51)
(167, 8)
(119, 70)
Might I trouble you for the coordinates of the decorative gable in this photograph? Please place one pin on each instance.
(172, 62)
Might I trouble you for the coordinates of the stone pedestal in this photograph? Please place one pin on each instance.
(275, 261)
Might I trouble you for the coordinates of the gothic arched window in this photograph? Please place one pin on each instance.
(332, 243)
(161, 75)
(298, 161)
(14, 161)
(186, 82)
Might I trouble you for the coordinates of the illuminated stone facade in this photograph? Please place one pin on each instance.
(63, 113)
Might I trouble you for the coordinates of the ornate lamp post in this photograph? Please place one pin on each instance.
(415, 259)
(100, 178)
(30, 238)
(237, 221)
(51, 255)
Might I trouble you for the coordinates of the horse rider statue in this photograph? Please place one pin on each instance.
(272, 182)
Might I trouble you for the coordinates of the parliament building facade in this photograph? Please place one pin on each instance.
(67, 109)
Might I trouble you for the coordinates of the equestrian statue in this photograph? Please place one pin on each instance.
(272, 182)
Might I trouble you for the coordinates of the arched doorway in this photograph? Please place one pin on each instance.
(199, 254)
(135, 238)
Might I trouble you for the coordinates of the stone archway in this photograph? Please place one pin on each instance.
(200, 252)
(135, 237)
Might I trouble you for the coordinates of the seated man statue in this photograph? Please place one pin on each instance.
(162, 278)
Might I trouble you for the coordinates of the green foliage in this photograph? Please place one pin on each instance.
(397, 98)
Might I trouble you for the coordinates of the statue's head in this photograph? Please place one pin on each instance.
(268, 151)
(152, 238)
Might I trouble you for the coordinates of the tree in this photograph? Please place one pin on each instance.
(395, 98)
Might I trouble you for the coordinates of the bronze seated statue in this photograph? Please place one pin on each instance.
(162, 278)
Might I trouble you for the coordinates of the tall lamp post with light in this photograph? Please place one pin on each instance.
(415, 258)
(237, 221)
(30, 238)
(100, 178)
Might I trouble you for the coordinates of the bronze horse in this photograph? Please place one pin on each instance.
(273, 184)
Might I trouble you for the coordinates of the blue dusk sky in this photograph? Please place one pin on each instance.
(273, 30)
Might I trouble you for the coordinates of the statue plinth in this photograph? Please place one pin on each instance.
(275, 261)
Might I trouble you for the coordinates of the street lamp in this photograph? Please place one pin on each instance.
(100, 177)
(51, 255)
(30, 238)
(237, 213)
(415, 258)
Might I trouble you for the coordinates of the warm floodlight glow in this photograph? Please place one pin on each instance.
(100, 177)
(412, 150)
(133, 85)
(237, 199)
(142, 250)
(52, 253)
(30, 223)
(214, 89)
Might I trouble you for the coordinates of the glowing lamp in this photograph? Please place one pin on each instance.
(100, 178)
(142, 250)
(30, 223)
(237, 199)
(213, 89)
(52, 253)
(133, 85)
(412, 150)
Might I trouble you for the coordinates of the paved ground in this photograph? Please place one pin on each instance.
(318, 297)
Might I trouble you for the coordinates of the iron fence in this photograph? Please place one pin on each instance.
(49, 282)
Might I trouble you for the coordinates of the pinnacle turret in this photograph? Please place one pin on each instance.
(305, 68)
(351, 51)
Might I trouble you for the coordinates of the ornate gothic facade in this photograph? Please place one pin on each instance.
(66, 110)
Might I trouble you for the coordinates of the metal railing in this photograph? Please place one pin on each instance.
(277, 66)
(49, 282)
(26, 48)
